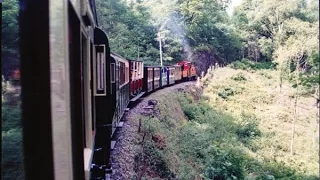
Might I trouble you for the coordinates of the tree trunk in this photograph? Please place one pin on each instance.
(293, 124)
(316, 120)
(281, 78)
(295, 107)
(314, 137)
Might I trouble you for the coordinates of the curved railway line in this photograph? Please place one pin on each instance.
(75, 90)
(127, 137)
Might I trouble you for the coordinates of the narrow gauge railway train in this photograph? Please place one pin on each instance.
(75, 91)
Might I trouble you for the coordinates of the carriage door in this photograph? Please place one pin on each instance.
(76, 91)
(93, 112)
(86, 78)
(83, 95)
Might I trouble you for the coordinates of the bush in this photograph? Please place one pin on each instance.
(248, 127)
(11, 117)
(226, 92)
(191, 111)
(239, 77)
(225, 162)
(12, 147)
(246, 64)
(211, 145)
(265, 74)
(157, 161)
(12, 150)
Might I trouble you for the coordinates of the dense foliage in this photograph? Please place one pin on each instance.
(196, 30)
(212, 143)
(12, 147)
(283, 35)
(237, 126)
(283, 32)
(10, 37)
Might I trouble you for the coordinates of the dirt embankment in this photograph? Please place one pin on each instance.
(128, 137)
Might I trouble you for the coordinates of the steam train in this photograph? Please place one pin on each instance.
(75, 91)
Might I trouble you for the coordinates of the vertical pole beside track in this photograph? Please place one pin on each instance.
(198, 82)
(160, 48)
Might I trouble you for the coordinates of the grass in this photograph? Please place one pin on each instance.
(239, 128)
(260, 96)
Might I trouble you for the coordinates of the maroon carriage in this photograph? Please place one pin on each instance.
(136, 77)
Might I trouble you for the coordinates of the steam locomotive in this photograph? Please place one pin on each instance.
(75, 91)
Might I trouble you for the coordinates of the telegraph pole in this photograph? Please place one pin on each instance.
(159, 35)
(138, 53)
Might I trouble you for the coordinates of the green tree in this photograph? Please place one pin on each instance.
(127, 28)
(10, 36)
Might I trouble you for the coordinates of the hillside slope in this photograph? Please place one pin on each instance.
(257, 93)
(235, 126)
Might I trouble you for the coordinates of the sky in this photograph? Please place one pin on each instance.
(233, 4)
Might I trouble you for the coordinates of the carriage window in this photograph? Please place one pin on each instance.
(100, 72)
(118, 71)
(172, 72)
(92, 97)
(139, 70)
(121, 73)
(150, 73)
(131, 70)
(142, 70)
(112, 72)
(135, 66)
(127, 74)
(124, 73)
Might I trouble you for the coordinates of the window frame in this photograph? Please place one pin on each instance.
(102, 75)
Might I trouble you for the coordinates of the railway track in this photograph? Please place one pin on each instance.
(127, 137)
